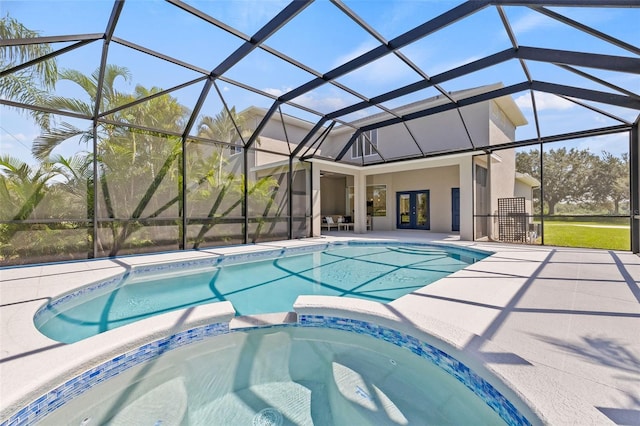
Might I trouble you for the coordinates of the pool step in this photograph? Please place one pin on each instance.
(165, 405)
(303, 403)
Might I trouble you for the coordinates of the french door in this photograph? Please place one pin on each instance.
(413, 210)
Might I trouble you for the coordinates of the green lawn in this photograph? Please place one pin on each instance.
(603, 235)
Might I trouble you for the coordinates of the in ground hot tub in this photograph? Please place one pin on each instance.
(321, 370)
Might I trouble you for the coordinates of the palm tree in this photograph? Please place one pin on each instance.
(223, 127)
(30, 85)
(133, 164)
(222, 179)
(211, 168)
(110, 98)
(22, 187)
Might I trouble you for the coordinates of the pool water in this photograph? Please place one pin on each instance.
(379, 272)
(281, 376)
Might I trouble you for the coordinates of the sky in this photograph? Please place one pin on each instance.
(322, 38)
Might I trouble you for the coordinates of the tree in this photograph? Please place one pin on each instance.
(216, 179)
(568, 174)
(223, 127)
(578, 176)
(611, 181)
(22, 187)
(53, 137)
(133, 164)
(30, 85)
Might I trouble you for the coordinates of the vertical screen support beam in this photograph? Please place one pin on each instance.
(94, 202)
(634, 184)
(111, 27)
(290, 203)
(245, 195)
(541, 159)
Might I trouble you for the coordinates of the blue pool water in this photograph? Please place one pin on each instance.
(379, 272)
(293, 376)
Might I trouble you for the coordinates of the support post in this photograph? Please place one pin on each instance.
(634, 184)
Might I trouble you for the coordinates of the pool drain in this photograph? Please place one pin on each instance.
(268, 417)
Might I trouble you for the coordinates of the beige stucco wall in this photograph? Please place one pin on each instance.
(432, 133)
(271, 151)
(296, 129)
(524, 190)
(501, 129)
(438, 181)
(333, 196)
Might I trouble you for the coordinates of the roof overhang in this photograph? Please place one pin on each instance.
(527, 180)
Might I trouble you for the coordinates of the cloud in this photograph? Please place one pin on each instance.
(532, 21)
(246, 15)
(359, 50)
(544, 101)
(385, 70)
(320, 102)
(615, 144)
(276, 92)
(16, 140)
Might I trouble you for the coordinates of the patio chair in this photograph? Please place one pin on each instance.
(345, 223)
(328, 223)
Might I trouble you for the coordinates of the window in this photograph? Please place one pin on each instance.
(235, 149)
(376, 200)
(366, 142)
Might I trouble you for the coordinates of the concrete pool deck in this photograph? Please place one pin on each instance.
(560, 325)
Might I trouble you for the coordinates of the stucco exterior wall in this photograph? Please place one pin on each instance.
(296, 129)
(432, 133)
(438, 180)
(333, 196)
(278, 151)
(524, 190)
(501, 129)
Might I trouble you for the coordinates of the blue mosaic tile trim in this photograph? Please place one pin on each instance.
(56, 398)
(230, 259)
(142, 270)
(501, 405)
(59, 303)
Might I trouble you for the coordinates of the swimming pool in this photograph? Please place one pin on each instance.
(290, 374)
(374, 271)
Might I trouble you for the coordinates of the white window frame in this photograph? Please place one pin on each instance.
(363, 141)
(235, 149)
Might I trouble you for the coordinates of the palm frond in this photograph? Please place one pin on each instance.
(70, 104)
(77, 167)
(15, 167)
(49, 140)
(20, 88)
(88, 84)
(110, 74)
(45, 71)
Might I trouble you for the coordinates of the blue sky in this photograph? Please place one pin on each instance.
(323, 38)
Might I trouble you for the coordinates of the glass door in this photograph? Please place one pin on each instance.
(413, 210)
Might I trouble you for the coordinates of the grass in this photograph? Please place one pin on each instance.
(587, 234)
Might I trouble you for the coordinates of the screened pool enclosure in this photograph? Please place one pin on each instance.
(135, 127)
